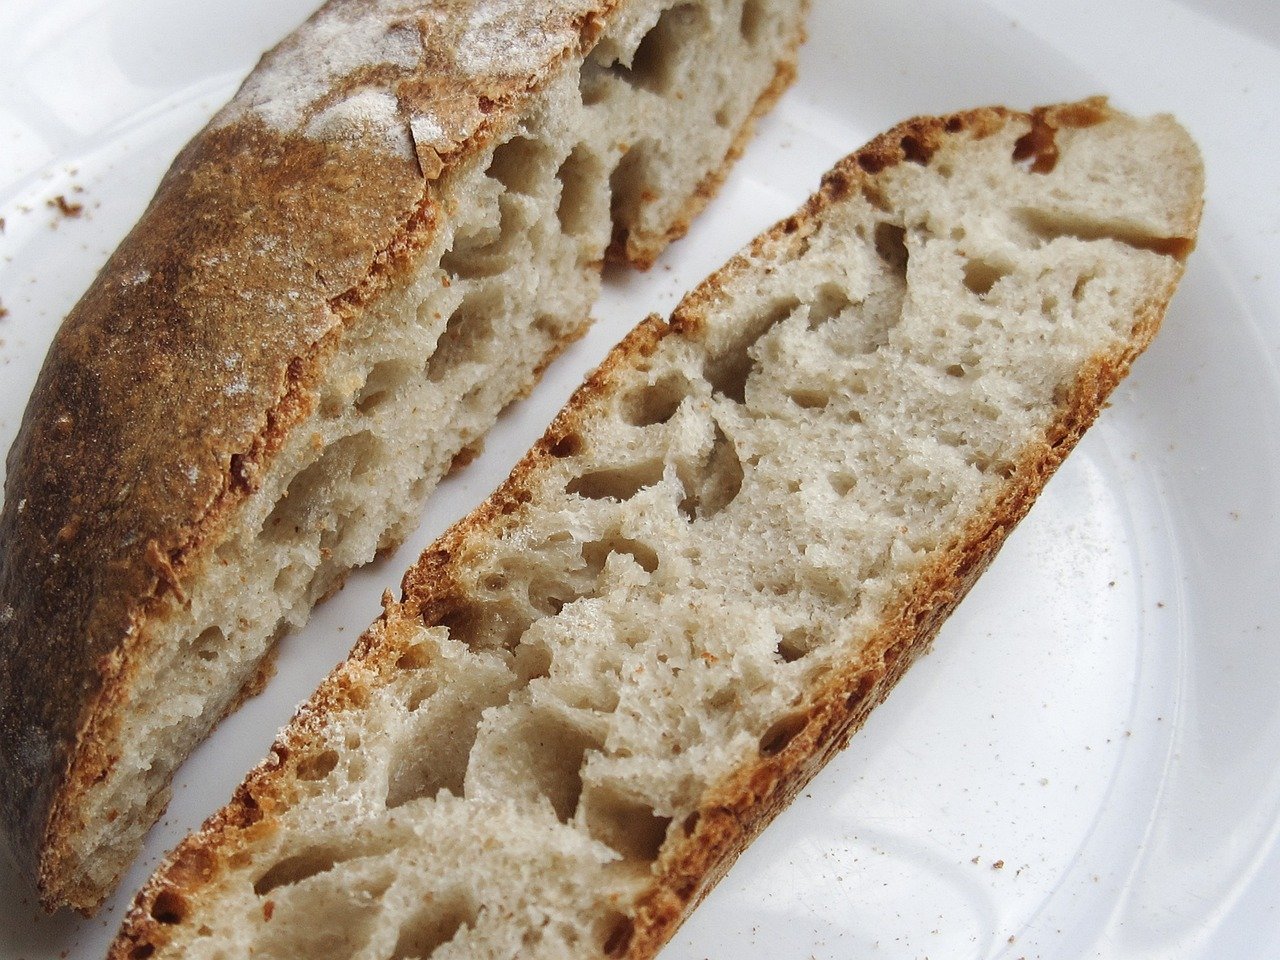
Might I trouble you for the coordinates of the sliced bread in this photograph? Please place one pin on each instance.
(377, 245)
(598, 687)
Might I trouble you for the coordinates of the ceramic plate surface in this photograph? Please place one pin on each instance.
(1088, 765)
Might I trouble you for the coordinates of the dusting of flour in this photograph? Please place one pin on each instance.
(292, 89)
(367, 113)
(341, 39)
(500, 38)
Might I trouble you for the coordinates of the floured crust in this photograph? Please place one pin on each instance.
(742, 804)
(221, 308)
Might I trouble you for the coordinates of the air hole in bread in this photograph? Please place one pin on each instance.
(330, 920)
(596, 553)
(795, 645)
(209, 644)
(752, 23)
(509, 501)
(548, 596)
(617, 483)
(717, 484)
(997, 467)
(981, 275)
(842, 483)
(891, 245)
(309, 501)
(656, 61)
(421, 692)
(725, 115)
(295, 869)
(465, 337)
(728, 371)
(629, 190)
(582, 195)
(593, 84)
(830, 301)
(550, 752)
(484, 626)
(142, 951)
(617, 938)
(169, 907)
(437, 922)
(810, 399)
(782, 732)
(657, 402)
(488, 251)
(566, 445)
(518, 165)
(317, 766)
(552, 591)
(422, 767)
(417, 657)
(1047, 226)
(531, 661)
(384, 380)
(626, 825)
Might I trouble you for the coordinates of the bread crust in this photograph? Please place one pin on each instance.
(732, 813)
(173, 382)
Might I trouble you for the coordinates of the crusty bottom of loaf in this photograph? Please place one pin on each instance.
(725, 551)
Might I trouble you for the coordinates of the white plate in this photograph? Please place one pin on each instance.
(1089, 764)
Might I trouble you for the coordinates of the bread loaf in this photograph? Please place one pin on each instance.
(597, 688)
(378, 244)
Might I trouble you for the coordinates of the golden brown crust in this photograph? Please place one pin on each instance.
(220, 307)
(734, 812)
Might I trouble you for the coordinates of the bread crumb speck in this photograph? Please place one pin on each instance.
(65, 206)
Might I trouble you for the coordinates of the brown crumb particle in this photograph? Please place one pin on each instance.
(66, 207)
(3, 312)
(998, 865)
(268, 908)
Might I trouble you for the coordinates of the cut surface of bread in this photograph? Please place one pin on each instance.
(379, 244)
(598, 687)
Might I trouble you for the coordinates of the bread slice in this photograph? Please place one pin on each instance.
(376, 246)
(599, 686)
